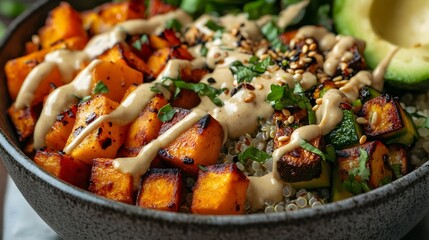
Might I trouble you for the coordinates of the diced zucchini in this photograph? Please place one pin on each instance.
(321, 182)
(388, 121)
(347, 133)
(338, 192)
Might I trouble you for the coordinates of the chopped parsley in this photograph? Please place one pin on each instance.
(212, 25)
(166, 113)
(254, 69)
(282, 97)
(254, 154)
(204, 50)
(307, 146)
(100, 87)
(362, 171)
(272, 32)
(173, 24)
(83, 99)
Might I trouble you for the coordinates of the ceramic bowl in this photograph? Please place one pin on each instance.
(388, 212)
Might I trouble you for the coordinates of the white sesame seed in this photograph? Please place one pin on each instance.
(337, 78)
(319, 101)
(283, 138)
(297, 77)
(292, 44)
(291, 119)
(312, 53)
(361, 120)
(259, 86)
(362, 139)
(286, 112)
(315, 107)
(304, 49)
(374, 118)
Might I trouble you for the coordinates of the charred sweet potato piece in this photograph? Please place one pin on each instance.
(63, 22)
(300, 164)
(122, 54)
(60, 131)
(116, 77)
(220, 190)
(144, 129)
(158, 60)
(189, 99)
(157, 42)
(64, 167)
(199, 145)
(103, 142)
(398, 160)
(387, 120)
(161, 189)
(17, 69)
(24, 121)
(111, 183)
(376, 163)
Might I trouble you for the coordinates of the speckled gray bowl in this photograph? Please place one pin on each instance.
(385, 213)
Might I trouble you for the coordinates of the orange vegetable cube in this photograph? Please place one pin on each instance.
(60, 131)
(111, 183)
(220, 190)
(161, 189)
(64, 167)
(24, 121)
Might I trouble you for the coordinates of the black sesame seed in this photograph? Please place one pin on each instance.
(211, 80)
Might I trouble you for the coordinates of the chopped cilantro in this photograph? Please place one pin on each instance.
(173, 24)
(142, 40)
(166, 113)
(204, 50)
(307, 146)
(254, 154)
(362, 171)
(282, 97)
(100, 87)
(247, 73)
(272, 32)
(201, 89)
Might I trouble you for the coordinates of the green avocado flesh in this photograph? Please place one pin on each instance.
(384, 25)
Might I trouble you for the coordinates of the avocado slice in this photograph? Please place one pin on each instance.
(384, 25)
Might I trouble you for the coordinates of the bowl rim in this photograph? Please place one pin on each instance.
(372, 198)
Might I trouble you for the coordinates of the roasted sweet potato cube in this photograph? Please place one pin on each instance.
(161, 189)
(199, 145)
(17, 69)
(116, 77)
(121, 53)
(398, 160)
(64, 167)
(300, 164)
(111, 183)
(158, 60)
(60, 131)
(387, 120)
(220, 190)
(24, 121)
(378, 155)
(103, 142)
(157, 42)
(171, 37)
(63, 22)
(144, 129)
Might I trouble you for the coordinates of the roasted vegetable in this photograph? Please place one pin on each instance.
(161, 189)
(24, 121)
(64, 167)
(398, 160)
(103, 142)
(111, 183)
(61, 129)
(220, 189)
(199, 145)
(347, 133)
(388, 121)
(364, 167)
(323, 181)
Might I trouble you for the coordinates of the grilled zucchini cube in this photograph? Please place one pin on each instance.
(220, 190)
(64, 167)
(106, 181)
(388, 121)
(376, 163)
(161, 189)
(398, 160)
(199, 145)
(347, 133)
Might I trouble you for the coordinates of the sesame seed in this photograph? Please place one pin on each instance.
(312, 54)
(304, 49)
(347, 56)
(309, 41)
(315, 107)
(297, 77)
(337, 78)
(313, 47)
(374, 118)
(300, 71)
(283, 138)
(286, 112)
(291, 71)
(362, 139)
(279, 118)
(291, 119)
(293, 65)
(343, 66)
(361, 120)
(259, 86)
(264, 56)
(319, 101)
(292, 44)
(292, 53)
(308, 60)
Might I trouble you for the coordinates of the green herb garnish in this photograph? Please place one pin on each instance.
(142, 40)
(204, 50)
(254, 69)
(307, 146)
(214, 26)
(282, 97)
(396, 168)
(272, 32)
(11, 9)
(362, 171)
(173, 24)
(254, 154)
(166, 113)
(203, 168)
(100, 87)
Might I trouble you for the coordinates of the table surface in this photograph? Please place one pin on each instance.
(421, 231)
